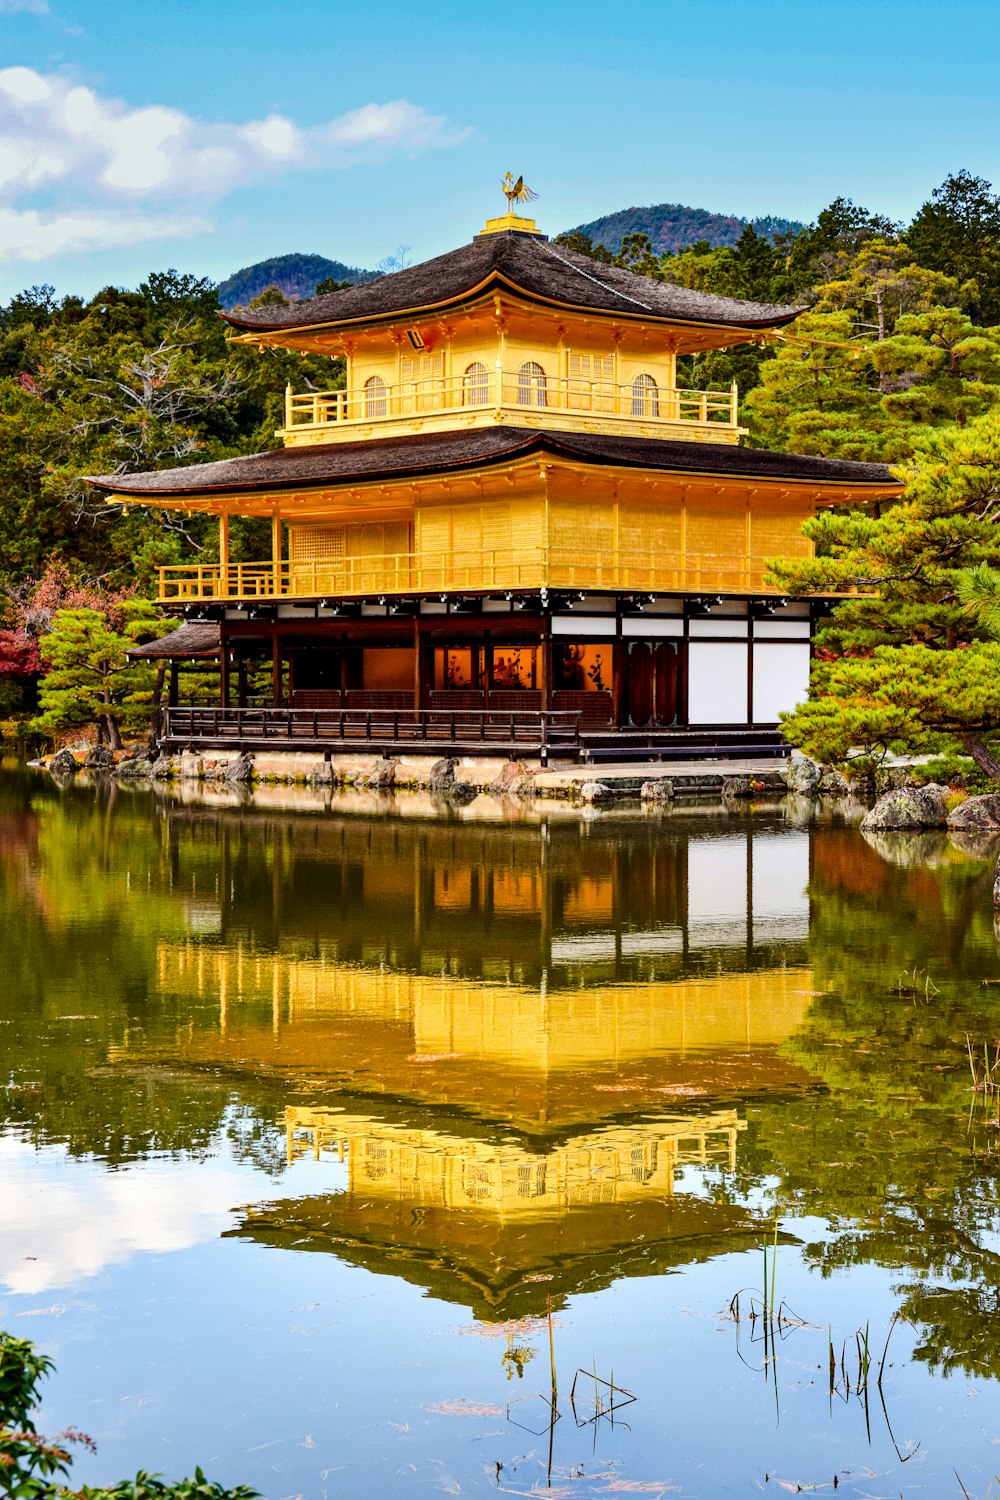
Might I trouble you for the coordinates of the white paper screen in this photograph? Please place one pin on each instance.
(717, 682)
(780, 680)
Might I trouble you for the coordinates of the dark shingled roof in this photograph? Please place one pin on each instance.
(197, 638)
(540, 270)
(429, 453)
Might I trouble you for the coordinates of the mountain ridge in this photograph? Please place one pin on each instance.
(675, 226)
(296, 275)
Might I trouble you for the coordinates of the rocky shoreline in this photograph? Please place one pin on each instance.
(460, 779)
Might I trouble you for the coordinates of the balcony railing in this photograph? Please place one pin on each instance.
(455, 572)
(513, 390)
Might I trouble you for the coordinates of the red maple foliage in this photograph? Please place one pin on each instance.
(33, 608)
(19, 656)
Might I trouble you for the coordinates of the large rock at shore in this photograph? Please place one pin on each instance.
(513, 781)
(441, 777)
(382, 777)
(802, 775)
(100, 758)
(908, 807)
(240, 769)
(64, 763)
(977, 814)
(596, 791)
(660, 790)
(136, 768)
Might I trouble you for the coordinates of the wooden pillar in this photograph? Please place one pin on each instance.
(484, 658)
(276, 689)
(545, 665)
(172, 689)
(425, 670)
(417, 663)
(224, 554)
(224, 671)
(276, 553)
(619, 682)
(241, 682)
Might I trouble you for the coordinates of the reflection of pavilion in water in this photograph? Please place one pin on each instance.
(503, 1178)
(556, 903)
(509, 1021)
(503, 1223)
(520, 972)
(530, 1056)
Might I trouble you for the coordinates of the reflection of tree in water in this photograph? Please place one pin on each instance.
(75, 977)
(886, 1156)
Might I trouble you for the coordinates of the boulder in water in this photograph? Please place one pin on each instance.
(596, 791)
(908, 807)
(977, 814)
(64, 763)
(240, 769)
(660, 790)
(802, 775)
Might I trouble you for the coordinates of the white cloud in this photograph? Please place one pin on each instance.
(32, 235)
(32, 7)
(65, 1220)
(96, 159)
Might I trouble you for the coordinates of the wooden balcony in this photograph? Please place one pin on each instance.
(401, 574)
(561, 403)
(557, 734)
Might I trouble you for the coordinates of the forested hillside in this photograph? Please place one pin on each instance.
(900, 343)
(295, 276)
(672, 226)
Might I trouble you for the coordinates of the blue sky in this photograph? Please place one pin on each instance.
(207, 134)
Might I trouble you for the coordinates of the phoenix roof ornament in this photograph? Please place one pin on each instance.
(517, 192)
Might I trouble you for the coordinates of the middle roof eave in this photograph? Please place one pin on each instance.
(425, 454)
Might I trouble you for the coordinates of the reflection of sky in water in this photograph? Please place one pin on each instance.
(436, 1073)
(66, 1219)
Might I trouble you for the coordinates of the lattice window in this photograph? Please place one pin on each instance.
(531, 1180)
(778, 533)
(421, 367)
(376, 397)
(376, 1160)
(476, 385)
(477, 1181)
(591, 366)
(531, 385)
(645, 397)
(316, 544)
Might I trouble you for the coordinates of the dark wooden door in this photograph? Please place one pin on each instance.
(665, 680)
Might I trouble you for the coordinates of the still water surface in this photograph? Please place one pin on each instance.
(310, 1121)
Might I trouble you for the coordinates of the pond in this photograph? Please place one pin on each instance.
(368, 1149)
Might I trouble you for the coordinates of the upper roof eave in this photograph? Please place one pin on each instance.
(526, 265)
(483, 291)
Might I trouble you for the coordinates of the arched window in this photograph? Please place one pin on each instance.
(376, 399)
(531, 385)
(476, 385)
(645, 397)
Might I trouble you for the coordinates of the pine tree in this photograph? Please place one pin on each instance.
(903, 666)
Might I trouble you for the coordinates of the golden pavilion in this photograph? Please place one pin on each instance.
(510, 528)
